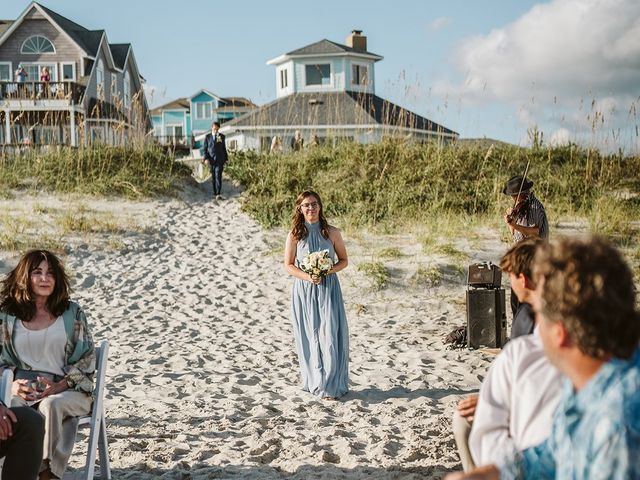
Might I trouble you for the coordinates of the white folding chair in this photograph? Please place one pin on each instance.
(5, 387)
(5, 396)
(96, 422)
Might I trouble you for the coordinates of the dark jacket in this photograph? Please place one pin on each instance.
(215, 150)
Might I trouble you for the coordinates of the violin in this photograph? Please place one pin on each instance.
(518, 209)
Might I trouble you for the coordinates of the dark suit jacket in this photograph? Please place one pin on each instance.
(215, 151)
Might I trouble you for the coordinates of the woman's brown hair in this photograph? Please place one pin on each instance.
(16, 295)
(298, 228)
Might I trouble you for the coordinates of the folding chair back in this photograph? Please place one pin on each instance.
(96, 421)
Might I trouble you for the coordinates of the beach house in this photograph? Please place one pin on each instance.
(326, 90)
(185, 120)
(92, 92)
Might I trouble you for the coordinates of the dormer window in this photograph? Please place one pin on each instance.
(318, 74)
(359, 74)
(37, 44)
(284, 80)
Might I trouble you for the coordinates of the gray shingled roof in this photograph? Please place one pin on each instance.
(180, 103)
(325, 46)
(335, 108)
(237, 102)
(119, 53)
(88, 40)
(4, 25)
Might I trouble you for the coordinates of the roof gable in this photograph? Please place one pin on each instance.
(204, 96)
(327, 47)
(119, 51)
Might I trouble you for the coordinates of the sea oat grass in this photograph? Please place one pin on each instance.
(119, 171)
(450, 187)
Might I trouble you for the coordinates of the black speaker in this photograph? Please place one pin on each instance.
(486, 317)
(485, 275)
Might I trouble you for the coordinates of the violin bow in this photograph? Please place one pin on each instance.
(515, 202)
(524, 177)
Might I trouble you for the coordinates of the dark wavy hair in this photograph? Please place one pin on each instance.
(16, 295)
(589, 288)
(298, 228)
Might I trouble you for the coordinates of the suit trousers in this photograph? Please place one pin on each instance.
(216, 177)
(22, 451)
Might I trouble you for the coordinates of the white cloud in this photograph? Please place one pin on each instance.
(560, 137)
(439, 23)
(573, 60)
(155, 95)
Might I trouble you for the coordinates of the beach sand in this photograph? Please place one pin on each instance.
(203, 380)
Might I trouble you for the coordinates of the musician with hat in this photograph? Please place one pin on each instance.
(525, 219)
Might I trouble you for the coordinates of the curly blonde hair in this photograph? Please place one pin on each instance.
(589, 288)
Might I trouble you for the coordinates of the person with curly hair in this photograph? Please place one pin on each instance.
(317, 307)
(590, 330)
(46, 341)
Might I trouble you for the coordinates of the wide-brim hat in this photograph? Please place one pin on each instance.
(515, 185)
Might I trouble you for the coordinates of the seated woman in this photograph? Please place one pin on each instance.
(46, 341)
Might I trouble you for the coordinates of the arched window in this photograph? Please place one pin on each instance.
(126, 91)
(37, 44)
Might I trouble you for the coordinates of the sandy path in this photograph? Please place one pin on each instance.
(203, 377)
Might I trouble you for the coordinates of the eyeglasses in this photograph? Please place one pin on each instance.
(307, 206)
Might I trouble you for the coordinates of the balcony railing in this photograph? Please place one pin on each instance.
(72, 92)
(177, 140)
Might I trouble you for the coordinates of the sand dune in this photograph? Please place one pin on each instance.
(203, 376)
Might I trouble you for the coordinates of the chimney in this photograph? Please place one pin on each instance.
(357, 41)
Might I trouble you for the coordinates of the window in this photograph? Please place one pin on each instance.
(359, 74)
(37, 44)
(5, 72)
(68, 71)
(318, 74)
(34, 70)
(126, 89)
(114, 85)
(203, 110)
(174, 133)
(100, 77)
(284, 81)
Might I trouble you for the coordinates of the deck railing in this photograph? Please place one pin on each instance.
(70, 91)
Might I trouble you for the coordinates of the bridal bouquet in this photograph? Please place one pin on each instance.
(317, 264)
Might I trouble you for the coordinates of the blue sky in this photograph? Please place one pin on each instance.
(494, 68)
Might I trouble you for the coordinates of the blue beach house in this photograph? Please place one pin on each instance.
(185, 121)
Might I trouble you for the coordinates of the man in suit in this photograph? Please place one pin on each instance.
(215, 153)
(21, 436)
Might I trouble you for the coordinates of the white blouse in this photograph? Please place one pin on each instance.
(42, 350)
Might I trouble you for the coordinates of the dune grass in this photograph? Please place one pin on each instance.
(132, 172)
(392, 184)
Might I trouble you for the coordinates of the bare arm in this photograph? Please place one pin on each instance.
(341, 252)
(290, 259)
(487, 472)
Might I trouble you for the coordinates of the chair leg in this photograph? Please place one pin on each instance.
(90, 465)
(103, 446)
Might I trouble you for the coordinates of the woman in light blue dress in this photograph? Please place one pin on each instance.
(317, 307)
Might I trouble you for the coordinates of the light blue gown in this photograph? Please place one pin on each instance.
(320, 325)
